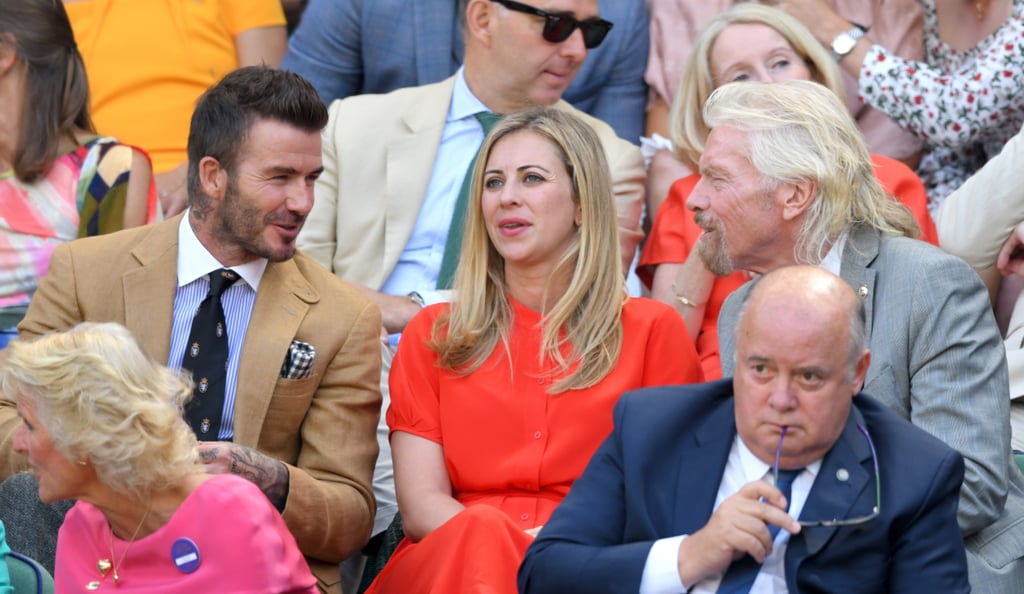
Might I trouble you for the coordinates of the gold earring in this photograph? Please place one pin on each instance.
(82, 463)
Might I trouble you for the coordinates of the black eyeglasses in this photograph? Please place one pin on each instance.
(558, 27)
(836, 521)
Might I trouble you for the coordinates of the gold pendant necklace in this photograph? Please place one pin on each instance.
(104, 565)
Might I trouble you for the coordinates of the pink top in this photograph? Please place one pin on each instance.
(243, 546)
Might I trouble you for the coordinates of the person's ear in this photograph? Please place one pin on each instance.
(860, 371)
(8, 52)
(797, 198)
(480, 20)
(213, 179)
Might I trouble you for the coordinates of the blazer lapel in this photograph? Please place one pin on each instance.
(281, 304)
(844, 475)
(410, 163)
(149, 289)
(701, 464)
(861, 250)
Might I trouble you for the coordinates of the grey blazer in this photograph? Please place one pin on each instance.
(937, 359)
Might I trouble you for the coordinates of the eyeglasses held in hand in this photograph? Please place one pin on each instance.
(836, 521)
(558, 27)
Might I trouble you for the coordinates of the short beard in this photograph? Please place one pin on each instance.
(715, 255)
(239, 224)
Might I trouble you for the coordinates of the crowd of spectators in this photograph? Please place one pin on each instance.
(395, 262)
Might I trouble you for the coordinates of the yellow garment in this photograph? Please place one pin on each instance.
(149, 60)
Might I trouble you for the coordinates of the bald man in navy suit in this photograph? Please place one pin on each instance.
(679, 497)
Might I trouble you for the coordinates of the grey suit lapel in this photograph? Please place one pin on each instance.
(281, 304)
(148, 291)
(860, 251)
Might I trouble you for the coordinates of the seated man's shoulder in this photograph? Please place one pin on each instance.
(609, 138)
(332, 289)
(342, 111)
(898, 437)
(120, 244)
(663, 406)
(923, 265)
(916, 252)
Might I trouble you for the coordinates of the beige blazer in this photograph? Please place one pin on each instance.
(379, 153)
(322, 427)
(976, 220)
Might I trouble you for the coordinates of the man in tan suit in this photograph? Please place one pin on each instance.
(304, 435)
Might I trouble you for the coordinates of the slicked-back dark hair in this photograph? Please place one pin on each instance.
(57, 92)
(225, 113)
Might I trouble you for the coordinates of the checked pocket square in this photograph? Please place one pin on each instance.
(299, 362)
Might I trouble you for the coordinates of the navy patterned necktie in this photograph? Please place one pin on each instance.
(453, 245)
(743, 571)
(206, 356)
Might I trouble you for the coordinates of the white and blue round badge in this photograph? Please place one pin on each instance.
(185, 555)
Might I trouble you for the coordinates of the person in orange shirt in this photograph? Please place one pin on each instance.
(149, 61)
(499, 397)
(747, 42)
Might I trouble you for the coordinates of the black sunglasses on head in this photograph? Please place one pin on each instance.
(558, 27)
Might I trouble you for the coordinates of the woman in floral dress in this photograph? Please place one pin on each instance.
(965, 100)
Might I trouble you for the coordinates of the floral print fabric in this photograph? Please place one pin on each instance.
(964, 104)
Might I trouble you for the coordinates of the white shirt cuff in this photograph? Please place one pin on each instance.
(661, 571)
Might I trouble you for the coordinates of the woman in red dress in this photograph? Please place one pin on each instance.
(499, 398)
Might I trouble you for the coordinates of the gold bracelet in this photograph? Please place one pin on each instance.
(684, 300)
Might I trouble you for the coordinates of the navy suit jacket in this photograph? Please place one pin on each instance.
(350, 47)
(657, 476)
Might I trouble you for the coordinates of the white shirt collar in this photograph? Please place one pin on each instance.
(754, 469)
(464, 102)
(833, 261)
(195, 261)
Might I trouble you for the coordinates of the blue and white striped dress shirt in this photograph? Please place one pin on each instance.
(194, 264)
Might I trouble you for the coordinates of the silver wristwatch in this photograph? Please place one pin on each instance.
(418, 299)
(845, 42)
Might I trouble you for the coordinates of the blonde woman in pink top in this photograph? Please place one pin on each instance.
(101, 423)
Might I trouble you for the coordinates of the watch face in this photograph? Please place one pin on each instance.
(843, 44)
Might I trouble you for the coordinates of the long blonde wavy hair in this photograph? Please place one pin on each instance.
(103, 399)
(799, 131)
(582, 327)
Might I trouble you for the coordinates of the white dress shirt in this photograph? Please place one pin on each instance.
(661, 572)
(195, 262)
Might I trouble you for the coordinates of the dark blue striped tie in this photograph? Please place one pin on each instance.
(742, 572)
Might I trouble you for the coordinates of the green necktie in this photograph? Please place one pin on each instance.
(453, 245)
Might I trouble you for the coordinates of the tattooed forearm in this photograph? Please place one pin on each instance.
(270, 475)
